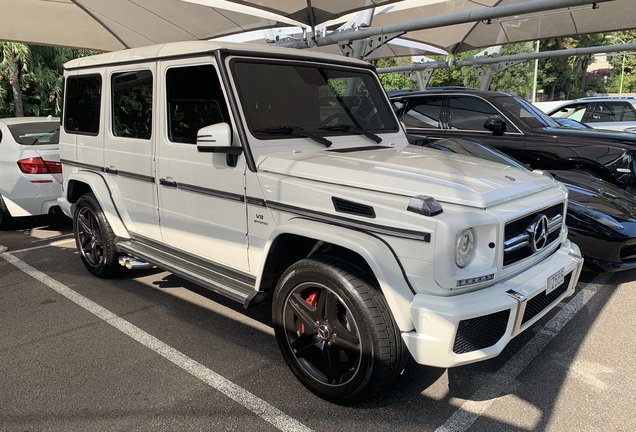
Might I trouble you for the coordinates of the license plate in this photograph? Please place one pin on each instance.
(555, 281)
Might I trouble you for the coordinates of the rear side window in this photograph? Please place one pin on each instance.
(36, 133)
(82, 104)
(612, 111)
(425, 113)
(132, 104)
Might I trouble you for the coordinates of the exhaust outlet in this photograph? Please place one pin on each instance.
(133, 263)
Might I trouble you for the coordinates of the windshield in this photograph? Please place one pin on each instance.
(36, 133)
(320, 100)
(525, 112)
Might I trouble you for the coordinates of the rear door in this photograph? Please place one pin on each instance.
(128, 149)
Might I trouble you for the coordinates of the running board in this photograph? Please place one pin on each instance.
(236, 286)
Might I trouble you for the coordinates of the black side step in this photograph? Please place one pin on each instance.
(234, 285)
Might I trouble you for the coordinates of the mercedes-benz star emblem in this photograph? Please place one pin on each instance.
(538, 231)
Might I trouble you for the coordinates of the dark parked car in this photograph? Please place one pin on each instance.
(601, 217)
(520, 130)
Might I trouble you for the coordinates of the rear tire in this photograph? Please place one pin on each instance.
(95, 239)
(335, 330)
(6, 220)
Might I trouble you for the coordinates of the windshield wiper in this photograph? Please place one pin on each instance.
(294, 130)
(349, 128)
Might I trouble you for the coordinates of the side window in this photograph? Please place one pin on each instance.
(83, 100)
(629, 113)
(425, 113)
(574, 112)
(132, 104)
(602, 112)
(622, 111)
(470, 113)
(195, 100)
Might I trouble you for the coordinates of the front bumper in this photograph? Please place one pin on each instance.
(452, 331)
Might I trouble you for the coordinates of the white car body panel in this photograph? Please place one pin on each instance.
(27, 194)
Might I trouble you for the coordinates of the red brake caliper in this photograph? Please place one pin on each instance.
(311, 300)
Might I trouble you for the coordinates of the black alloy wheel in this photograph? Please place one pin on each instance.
(335, 331)
(95, 239)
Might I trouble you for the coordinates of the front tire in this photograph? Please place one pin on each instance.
(95, 239)
(335, 330)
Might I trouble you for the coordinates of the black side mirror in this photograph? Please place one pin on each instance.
(496, 126)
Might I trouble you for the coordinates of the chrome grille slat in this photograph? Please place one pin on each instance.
(523, 240)
(519, 242)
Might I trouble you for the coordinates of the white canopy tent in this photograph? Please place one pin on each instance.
(108, 25)
(569, 21)
(450, 25)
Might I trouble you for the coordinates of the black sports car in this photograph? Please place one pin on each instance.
(601, 217)
(520, 130)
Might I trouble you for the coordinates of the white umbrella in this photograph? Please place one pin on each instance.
(394, 48)
(310, 12)
(108, 25)
(571, 21)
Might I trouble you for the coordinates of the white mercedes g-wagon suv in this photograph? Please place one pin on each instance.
(257, 171)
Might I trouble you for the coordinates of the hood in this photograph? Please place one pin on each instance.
(411, 171)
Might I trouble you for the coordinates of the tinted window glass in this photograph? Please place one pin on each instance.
(470, 113)
(132, 104)
(310, 97)
(82, 104)
(425, 113)
(574, 112)
(194, 100)
(524, 112)
(36, 133)
(611, 111)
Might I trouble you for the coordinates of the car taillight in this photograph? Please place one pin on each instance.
(37, 165)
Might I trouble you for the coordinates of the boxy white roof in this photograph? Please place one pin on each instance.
(194, 48)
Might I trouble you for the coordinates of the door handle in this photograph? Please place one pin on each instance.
(168, 182)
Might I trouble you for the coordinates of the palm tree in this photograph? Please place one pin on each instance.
(15, 57)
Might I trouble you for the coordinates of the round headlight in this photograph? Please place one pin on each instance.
(465, 247)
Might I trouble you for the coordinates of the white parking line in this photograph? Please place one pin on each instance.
(503, 379)
(253, 403)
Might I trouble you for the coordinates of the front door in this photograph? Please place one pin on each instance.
(201, 197)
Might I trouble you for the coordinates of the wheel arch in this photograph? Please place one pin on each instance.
(87, 182)
(297, 240)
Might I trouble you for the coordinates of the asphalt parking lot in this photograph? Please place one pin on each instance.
(152, 352)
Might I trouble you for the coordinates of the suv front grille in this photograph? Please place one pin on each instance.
(524, 236)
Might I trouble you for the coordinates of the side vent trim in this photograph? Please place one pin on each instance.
(352, 208)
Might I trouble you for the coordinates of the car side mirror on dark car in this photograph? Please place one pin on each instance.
(496, 126)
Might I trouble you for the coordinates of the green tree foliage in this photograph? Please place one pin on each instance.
(394, 81)
(31, 78)
(616, 61)
(14, 58)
